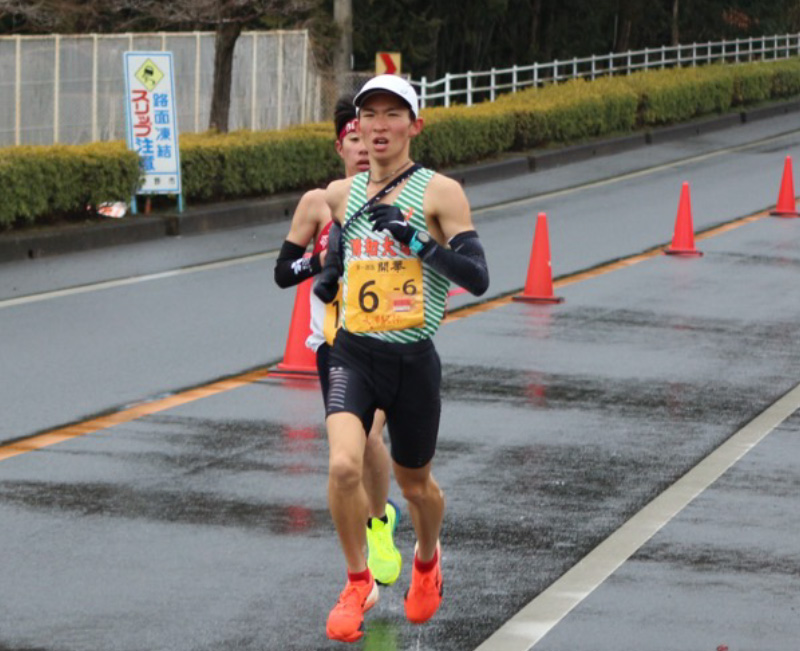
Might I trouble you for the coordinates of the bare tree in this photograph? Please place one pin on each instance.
(228, 18)
(56, 15)
(343, 17)
(675, 33)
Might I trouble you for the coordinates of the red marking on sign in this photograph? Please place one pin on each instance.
(403, 304)
(387, 61)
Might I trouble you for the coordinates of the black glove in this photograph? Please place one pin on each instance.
(326, 284)
(389, 218)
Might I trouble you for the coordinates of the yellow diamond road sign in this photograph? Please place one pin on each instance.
(149, 74)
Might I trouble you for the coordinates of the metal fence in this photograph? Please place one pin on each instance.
(70, 89)
(471, 87)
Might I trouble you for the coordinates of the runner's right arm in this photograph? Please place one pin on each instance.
(291, 268)
(326, 286)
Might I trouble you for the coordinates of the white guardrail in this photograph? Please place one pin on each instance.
(470, 87)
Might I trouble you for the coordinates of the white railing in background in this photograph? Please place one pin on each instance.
(470, 87)
(70, 89)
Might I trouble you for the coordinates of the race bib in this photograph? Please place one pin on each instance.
(333, 316)
(384, 294)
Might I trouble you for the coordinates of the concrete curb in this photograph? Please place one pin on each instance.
(234, 214)
(678, 131)
(79, 237)
(577, 153)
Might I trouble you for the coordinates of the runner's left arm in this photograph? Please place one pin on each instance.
(463, 260)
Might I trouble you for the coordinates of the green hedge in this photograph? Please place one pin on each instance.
(785, 78)
(461, 135)
(40, 182)
(567, 112)
(247, 163)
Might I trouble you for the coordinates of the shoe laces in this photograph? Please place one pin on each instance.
(350, 596)
(427, 582)
(382, 535)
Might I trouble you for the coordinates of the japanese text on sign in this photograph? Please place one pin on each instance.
(152, 120)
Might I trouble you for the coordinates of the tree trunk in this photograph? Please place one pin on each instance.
(536, 17)
(675, 32)
(225, 42)
(624, 24)
(342, 55)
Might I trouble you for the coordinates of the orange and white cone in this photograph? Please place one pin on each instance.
(299, 361)
(786, 206)
(683, 238)
(539, 284)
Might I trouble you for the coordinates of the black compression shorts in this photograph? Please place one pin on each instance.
(402, 379)
(323, 363)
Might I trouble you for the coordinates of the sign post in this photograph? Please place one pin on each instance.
(152, 122)
(388, 63)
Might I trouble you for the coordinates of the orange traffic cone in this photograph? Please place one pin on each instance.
(683, 239)
(539, 284)
(299, 361)
(786, 205)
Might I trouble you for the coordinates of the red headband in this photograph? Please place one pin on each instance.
(348, 128)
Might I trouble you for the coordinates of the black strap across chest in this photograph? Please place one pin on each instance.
(381, 194)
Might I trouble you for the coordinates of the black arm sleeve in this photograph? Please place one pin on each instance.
(291, 268)
(326, 285)
(464, 262)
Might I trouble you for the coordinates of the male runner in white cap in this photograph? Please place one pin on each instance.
(397, 256)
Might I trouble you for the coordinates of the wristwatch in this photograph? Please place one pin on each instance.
(419, 241)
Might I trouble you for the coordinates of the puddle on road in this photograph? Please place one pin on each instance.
(718, 559)
(176, 506)
(672, 402)
(194, 445)
(164, 459)
(784, 261)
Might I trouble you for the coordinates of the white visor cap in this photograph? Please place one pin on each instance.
(389, 84)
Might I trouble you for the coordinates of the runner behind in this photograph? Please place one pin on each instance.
(310, 223)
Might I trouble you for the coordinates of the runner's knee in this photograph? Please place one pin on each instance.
(418, 490)
(344, 473)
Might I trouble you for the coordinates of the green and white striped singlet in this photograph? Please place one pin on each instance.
(435, 286)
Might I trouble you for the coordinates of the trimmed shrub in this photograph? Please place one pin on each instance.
(785, 78)
(61, 180)
(572, 111)
(713, 88)
(752, 83)
(462, 135)
(247, 163)
(663, 97)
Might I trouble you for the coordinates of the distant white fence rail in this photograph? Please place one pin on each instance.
(470, 87)
(70, 89)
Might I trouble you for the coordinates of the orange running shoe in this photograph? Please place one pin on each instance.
(346, 620)
(425, 593)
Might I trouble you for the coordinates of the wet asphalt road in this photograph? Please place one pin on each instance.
(205, 526)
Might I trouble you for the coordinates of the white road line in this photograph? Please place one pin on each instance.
(133, 280)
(525, 629)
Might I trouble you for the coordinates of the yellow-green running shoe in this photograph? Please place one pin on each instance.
(383, 559)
